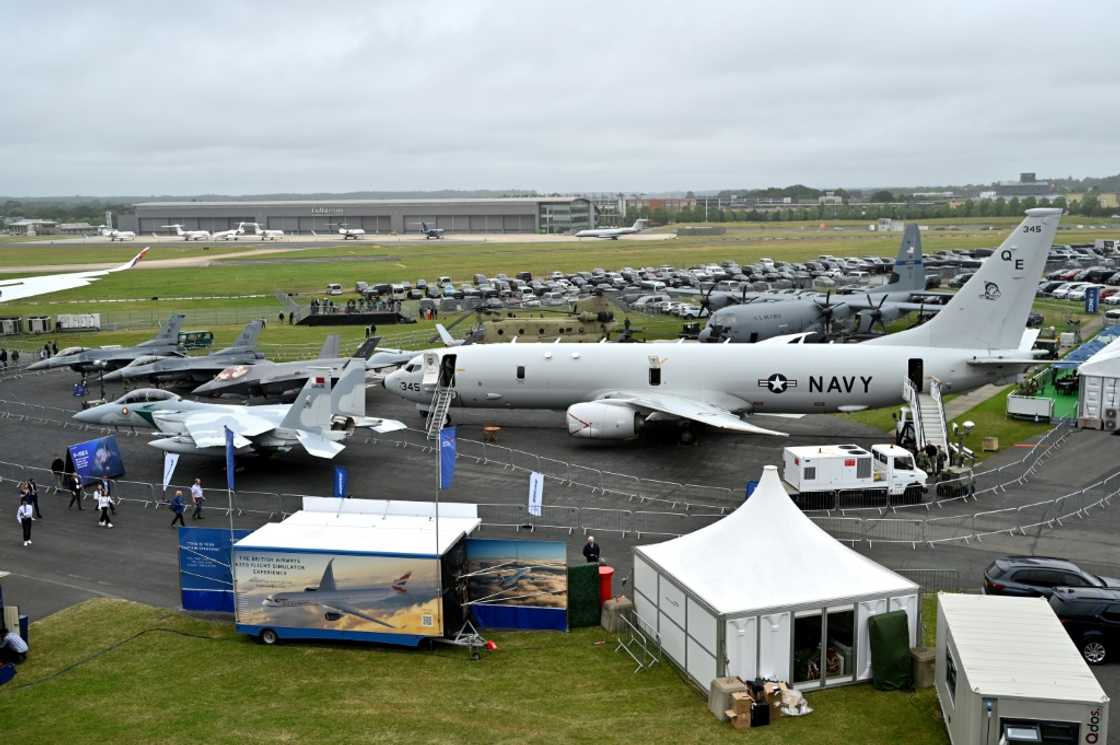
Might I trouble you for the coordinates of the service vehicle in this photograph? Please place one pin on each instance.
(832, 476)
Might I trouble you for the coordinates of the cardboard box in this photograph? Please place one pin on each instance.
(773, 693)
(741, 703)
(719, 695)
(739, 721)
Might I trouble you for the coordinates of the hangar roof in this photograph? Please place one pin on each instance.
(326, 202)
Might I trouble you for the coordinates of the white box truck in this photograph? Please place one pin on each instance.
(832, 476)
(1006, 672)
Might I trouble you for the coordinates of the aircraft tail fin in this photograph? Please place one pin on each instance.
(446, 337)
(349, 394)
(640, 223)
(367, 348)
(909, 267)
(169, 332)
(400, 582)
(991, 310)
(330, 346)
(249, 335)
(312, 408)
(326, 584)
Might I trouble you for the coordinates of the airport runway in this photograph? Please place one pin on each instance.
(72, 559)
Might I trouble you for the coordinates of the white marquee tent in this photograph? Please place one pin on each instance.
(1099, 395)
(765, 592)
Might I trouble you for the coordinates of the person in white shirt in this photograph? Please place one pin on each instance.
(198, 499)
(23, 517)
(104, 503)
(12, 647)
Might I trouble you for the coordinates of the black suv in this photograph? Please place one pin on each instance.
(1033, 576)
(1091, 616)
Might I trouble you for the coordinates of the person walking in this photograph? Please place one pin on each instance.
(33, 497)
(198, 499)
(75, 492)
(107, 490)
(104, 502)
(15, 358)
(3, 358)
(58, 468)
(178, 506)
(591, 550)
(54, 348)
(23, 517)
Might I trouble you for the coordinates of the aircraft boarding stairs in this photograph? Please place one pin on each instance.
(439, 375)
(928, 413)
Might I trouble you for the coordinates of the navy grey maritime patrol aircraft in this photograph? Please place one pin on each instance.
(611, 390)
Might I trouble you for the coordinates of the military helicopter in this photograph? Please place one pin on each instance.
(589, 319)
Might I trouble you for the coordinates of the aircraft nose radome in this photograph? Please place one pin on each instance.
(40, 365)
(87, 416)
(112, 377)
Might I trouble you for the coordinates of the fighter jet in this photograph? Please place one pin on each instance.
(85, 360)
(157, 369)
(355, 601)
(614, 233)
(611, 391)
(25, 287)
(319, 420)
(432, 232)
(280, 380)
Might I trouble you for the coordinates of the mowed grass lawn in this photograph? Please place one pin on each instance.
(198, 682)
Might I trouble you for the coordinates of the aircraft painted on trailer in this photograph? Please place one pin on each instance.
(753, 317)
(431, 232)
(335, 602)
(106, 359)
(189, 235)
(319, 421)
(25, 287)
(614, 233)
(611, 391)
(175, 369)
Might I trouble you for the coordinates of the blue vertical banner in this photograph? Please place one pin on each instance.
(1092, 299)
(229, 459)
(205, 571)
(446, 457)
(341, 480)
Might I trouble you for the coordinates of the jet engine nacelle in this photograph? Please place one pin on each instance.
(600, 421)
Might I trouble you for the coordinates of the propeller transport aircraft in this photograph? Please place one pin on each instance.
(611, 390)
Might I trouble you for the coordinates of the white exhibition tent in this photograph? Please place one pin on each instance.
(765, 592)
(1099, 395)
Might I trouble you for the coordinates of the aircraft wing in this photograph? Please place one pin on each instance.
(17, 289)
(208, 429)
(378, 425)
(687, 408)
(317, 445)
(338, 608)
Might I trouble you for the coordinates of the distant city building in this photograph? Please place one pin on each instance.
(76, 228)
(24, 226)
(830, 198)
(1026, 186)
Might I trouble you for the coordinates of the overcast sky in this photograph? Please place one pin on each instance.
(238, 97)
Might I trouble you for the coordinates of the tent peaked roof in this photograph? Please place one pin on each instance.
(769, 554)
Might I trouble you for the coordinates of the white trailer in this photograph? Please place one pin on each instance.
(1037, 408)
(825, 476)
(1007, 672)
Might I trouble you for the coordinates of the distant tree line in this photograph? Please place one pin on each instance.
(70, 211)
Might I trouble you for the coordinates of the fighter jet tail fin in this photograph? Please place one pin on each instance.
(249, 335)
(312, 408)
(349, 395)
(330, 346)
(991, 310)
(169, 332)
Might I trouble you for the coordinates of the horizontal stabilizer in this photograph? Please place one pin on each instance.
(317, 445)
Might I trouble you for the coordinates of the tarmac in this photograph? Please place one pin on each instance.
(72, 559)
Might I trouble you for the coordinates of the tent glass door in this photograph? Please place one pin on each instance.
(808, 631)
(840, 657)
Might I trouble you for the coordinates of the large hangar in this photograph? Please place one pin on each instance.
(511, 215)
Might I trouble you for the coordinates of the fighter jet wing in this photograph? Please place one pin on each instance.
(317, 445)
(378, 425)
(354, 612)
(686, 408)
(17, 289)
(208, 429)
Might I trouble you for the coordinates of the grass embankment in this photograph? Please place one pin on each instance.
(197, 681)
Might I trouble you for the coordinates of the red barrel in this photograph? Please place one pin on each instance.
(606, 583)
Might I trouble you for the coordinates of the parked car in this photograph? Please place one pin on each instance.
(958, 280)
(1034, 576)
(1091, 617)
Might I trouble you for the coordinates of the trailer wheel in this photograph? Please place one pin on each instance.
(269, 637)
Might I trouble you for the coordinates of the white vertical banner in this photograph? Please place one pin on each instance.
(536, 493)
(170, 460)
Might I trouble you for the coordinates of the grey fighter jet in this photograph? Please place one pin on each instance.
(85, 360)
(361, 602)
(279, 380)
(177, 369)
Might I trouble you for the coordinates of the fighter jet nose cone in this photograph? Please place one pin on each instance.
(112, 377)
(85, 416)
(40, 365)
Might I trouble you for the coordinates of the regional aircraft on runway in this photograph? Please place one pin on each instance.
(176, 369)
(350, 234)
(335, 602)
(611, 390)
(430, 233)
(319, 419)
(24, 287)
(614, 233)
(189, 235)
(116, 235)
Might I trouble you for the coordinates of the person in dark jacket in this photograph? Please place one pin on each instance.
(33, 497)
(591, 550)
(58, 468)
(178, 506)
(75, 492)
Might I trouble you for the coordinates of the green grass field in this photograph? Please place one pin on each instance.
(115, 671)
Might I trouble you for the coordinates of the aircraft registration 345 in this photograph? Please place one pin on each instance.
(611, 390)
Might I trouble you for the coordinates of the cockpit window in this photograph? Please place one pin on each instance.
(141, 395)
(412, 367)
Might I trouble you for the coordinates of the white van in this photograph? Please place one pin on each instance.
(334, 288)
(398, 292)
(647, 302)
(652, 285)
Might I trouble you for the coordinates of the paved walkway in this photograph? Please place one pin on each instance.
(961, 404)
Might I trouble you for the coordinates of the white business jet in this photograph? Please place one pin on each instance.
(116, 235)
(611, 390)
(189, 235)
(613, 233)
